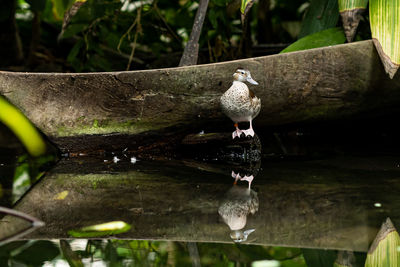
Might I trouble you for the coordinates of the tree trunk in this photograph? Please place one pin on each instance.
(10, 42)
(191, 52)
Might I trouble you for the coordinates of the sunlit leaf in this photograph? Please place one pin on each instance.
(385, 28)
(104, 229)
(328, 37)
(22, 128)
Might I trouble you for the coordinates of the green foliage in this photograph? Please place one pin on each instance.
(99, 230)
(328, 37)
(37, 5)
(22, 128)
(352, 4)
(28, 253)
(319, 257)
(321, 15)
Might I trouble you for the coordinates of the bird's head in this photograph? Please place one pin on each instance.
(243, 75)
(239, 236)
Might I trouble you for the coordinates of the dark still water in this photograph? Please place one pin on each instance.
(313, 212)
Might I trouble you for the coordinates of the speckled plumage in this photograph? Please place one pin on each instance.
(240, 103)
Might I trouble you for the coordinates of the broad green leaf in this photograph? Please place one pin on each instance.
(328, 37)
(385, 28)
(384, 251)
(22, 128)
(321, 15)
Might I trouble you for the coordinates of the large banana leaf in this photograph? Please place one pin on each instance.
(384, 249)
(385, 27)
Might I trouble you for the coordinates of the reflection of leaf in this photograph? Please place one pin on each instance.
(62, 195)
(328, 37)
(319, 257)
(37, 253)
(105, 229)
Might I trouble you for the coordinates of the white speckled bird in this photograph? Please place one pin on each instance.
(240, 103)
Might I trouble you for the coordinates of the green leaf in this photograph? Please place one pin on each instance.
(352, 4)
(22, 128)
(38, 253)
(319, 257)
(321, 15)
(351, 11)
(384, 251)
(104, 229)
(328, 37)
(245, 5)
(385, 28)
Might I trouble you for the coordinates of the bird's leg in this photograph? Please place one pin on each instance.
(237, 132)
(236, 176)
(249, 131)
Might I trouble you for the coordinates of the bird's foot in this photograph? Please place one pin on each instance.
(236, 133)
(248, 132)
(237, 177)
(249, 179)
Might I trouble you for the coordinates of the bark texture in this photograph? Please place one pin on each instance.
(318, 84)
(191, 52)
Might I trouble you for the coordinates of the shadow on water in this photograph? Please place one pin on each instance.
(271, 212)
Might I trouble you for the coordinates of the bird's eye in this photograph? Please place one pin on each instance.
(242, 72)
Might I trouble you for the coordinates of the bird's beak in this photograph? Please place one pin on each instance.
(250, 80)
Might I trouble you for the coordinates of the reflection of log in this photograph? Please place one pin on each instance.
(323, 83)
(301, 204)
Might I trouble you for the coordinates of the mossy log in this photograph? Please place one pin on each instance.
(301, 204)
(76, 110)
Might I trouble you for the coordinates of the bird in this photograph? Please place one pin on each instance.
(240, 103)
(234, 208)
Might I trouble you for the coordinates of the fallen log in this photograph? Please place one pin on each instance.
(77, 110)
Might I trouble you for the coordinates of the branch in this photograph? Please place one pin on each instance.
(190, 54)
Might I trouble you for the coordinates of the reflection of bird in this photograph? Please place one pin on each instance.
(240, 103)
(237, 204)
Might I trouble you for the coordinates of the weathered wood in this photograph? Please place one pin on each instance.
(191, 52)
(324, 204)
(317, 84)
